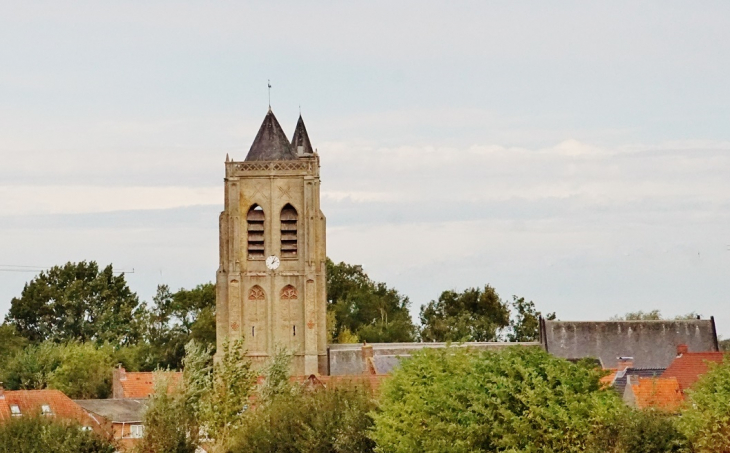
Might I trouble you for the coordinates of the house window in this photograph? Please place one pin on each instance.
(46, 409)
(136, 431)
(288, 232)
(255, 220)
(15, 410)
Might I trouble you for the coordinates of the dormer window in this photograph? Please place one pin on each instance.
(46, 410)
(255, 220)
(289, 232)
(15, 410)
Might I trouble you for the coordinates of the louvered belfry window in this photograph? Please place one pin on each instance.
(255, 220)
(288, 232)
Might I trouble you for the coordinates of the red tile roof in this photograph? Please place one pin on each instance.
(659, 393)
(688, 367)
(607, 380)
(30, 402)
(142, 384)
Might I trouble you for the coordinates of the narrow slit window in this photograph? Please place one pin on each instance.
(253, 331)
(289, 232)
(294, 331)
(255, 220)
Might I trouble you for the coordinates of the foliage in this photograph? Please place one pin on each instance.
(80, 370)
(310, 420)
(473, 315)
(368, 309)
(205, 407)
(276, 376)
(174, 320)
(45, 434)
(11, 343)
(653, 315)
(525, 325)
(76, 301)
(169, 425)
(639, 431)
(725, 345)
(705, 418)
(518, 399)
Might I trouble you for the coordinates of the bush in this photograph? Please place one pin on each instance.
(310, 420)
(518, 399)
(705, 418)
(44, 435)
(80, 370)
(639, 431)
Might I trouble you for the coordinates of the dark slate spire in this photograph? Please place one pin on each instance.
(301, 139)
(271, 142)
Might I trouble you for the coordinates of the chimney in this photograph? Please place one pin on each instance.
(118, 375)
(368, 366)
(2, 391)
(682, 349)
(625, 362)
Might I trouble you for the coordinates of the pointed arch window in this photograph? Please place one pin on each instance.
(288, 232)
(255, 220)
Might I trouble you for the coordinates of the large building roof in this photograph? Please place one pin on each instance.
(688, 367)
(652, 344)
(271, 142)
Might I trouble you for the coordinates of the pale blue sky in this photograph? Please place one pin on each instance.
(574, 153)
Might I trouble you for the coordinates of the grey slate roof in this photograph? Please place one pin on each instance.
(271, 142)
(126, 410)
(301, 138)
(652, 344)
(622, 377)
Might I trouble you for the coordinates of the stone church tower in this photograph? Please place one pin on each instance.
(271, 286)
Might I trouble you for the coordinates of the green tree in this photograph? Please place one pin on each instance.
(172, 321)
(205, 407)
(80, 370)
(638, 431)
(46, 434)
(310, 420)
(368, 309)
(525, 324)
(517, 400)
(705, 418)
(11, 343)
(473, 315)
(76, 301)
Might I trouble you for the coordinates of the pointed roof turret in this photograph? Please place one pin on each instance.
(300, 142)
(271, 142)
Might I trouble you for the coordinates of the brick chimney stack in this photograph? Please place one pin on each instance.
(367, 359)
(625, 362)
(682, 349)
(118, 375)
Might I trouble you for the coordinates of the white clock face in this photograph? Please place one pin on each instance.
(272, 262)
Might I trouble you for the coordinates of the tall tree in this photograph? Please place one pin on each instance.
(473, 315)
(525, 324)
(173, 320)
(368, 309)
(76, 301)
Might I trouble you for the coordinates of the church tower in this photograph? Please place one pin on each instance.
(271, 285)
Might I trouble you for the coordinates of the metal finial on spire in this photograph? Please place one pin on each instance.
(269, 94)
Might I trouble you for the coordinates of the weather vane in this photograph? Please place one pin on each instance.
(269, 94)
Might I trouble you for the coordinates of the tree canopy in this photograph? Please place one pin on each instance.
(77, 301)
(475, 314)
(366, 309)
(519, 399)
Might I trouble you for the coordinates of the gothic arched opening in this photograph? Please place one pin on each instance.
(288, 232)
(255, 219)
